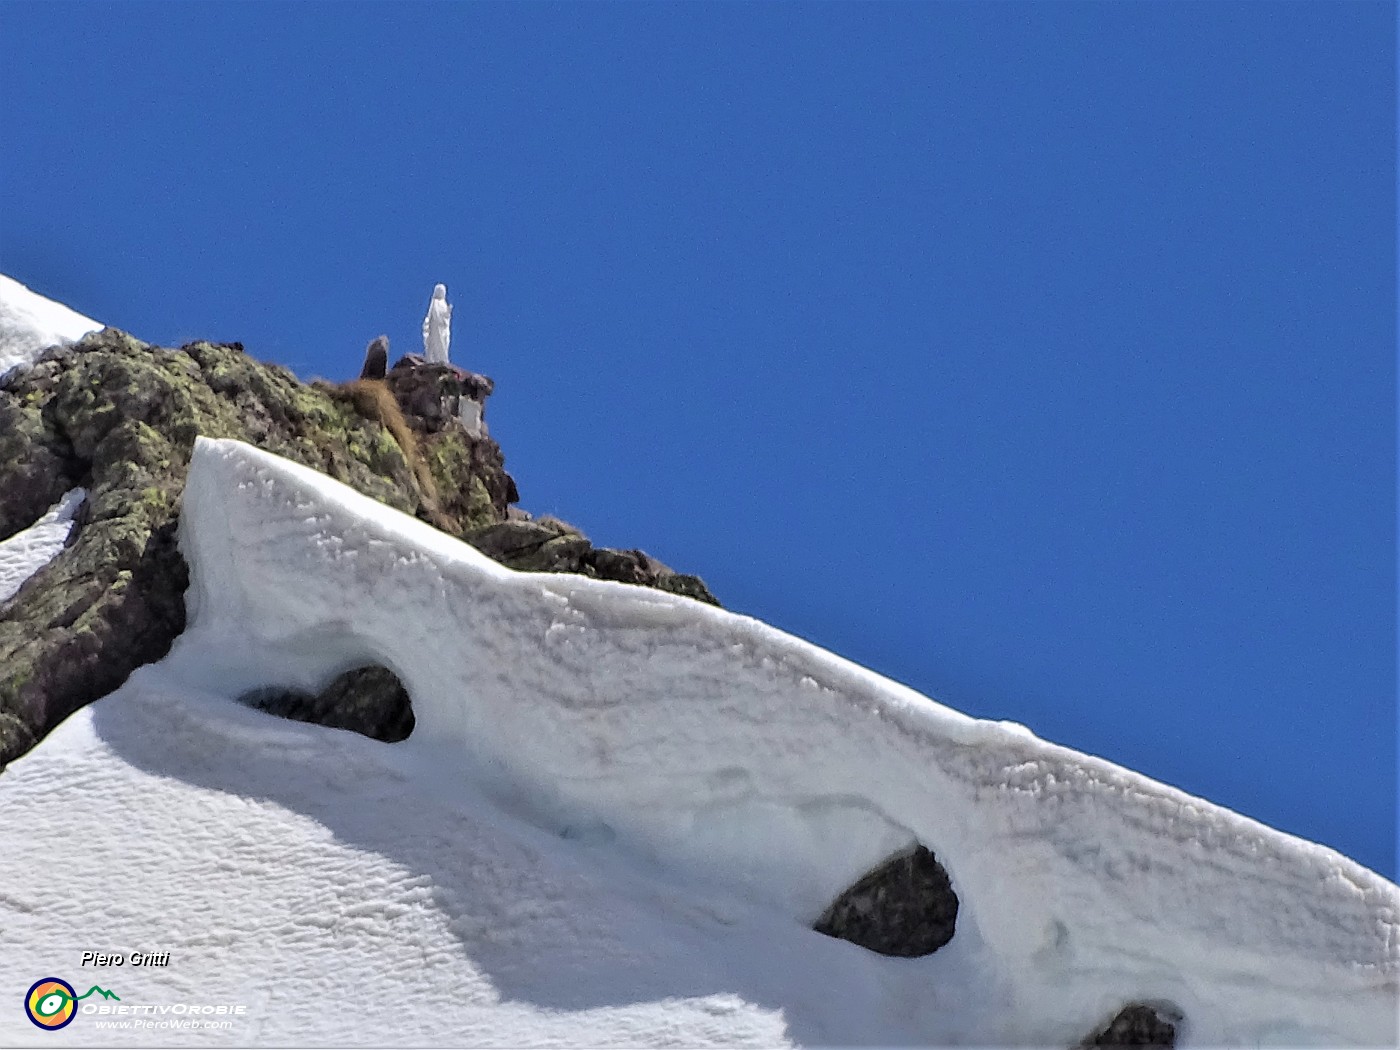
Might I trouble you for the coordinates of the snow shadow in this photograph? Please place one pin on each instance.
(561, 921)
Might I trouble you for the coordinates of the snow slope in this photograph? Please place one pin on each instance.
(28, 551)
(30, 324)
(617, 816)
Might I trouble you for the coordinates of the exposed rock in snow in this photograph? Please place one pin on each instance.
(437, 327)
(619, 813)
(547, 544)
(906, 907)
(30, 324)
(718, 747)
(1138, 1024)
(370, 701)
(616, 818)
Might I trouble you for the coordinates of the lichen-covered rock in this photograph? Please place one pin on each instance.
(367, 700)
(15, 737)
(33, 465)
(685, 584)
(1138, 1025)
(541, 545)
(466, 464)
(119, 418)
(906, 907)
(550, 545)
(471, 477)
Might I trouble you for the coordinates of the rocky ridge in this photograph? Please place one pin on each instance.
(119, 418)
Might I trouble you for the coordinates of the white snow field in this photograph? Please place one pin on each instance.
(28, 551)
(30, 324)
(615, 821)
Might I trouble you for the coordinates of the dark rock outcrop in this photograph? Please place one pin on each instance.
(430, 392)
(1138, 1025)
(15, 737)
(119, 418)
(471, 462)
(906, 907)
(550, 545)
(367, 700)
(376, 358)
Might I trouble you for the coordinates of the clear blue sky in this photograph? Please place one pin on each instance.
(1039, 356)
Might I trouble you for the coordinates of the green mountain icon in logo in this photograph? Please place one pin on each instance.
(100, 991)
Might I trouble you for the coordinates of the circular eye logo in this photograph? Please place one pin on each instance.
(51, 1003)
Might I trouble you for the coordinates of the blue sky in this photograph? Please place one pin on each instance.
(1039, 356)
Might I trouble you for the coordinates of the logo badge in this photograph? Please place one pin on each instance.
(51, 1003)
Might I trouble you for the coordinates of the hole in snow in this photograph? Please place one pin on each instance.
(367, 700)
(906, 907)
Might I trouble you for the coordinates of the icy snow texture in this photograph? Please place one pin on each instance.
(437, 327)
(28, 551)
(617, 815)
(30, 324)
